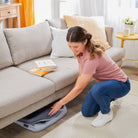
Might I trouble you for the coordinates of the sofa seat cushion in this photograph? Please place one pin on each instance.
(65, 74)
(20, 89)
(5, 56)
(116, 53)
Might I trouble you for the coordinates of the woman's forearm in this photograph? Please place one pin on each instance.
(77, 81)
(71, 95)
(80, 84)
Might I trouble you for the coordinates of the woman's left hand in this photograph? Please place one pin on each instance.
(55, 108)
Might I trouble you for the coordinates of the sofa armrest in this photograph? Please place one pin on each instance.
(57, 23)
(109, 34)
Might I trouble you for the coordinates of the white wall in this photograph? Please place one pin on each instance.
(42, 10)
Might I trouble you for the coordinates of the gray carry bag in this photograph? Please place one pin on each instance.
(40, 119)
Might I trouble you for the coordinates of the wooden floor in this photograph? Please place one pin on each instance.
(15, 131)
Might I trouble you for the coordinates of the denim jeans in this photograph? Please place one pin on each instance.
(101, 95)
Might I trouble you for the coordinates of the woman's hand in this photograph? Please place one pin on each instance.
(55, 107)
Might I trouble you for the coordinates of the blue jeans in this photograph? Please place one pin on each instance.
(101, 94)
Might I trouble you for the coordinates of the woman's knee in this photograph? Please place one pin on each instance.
(86, 113)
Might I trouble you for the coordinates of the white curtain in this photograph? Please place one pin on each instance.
(89, 7)
(114, 11)
(65, 7)
(42, 10)
(69, 7)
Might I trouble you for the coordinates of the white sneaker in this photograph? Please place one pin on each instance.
(102, 119)
(117, 102)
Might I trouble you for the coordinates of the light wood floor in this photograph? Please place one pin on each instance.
(15, 131)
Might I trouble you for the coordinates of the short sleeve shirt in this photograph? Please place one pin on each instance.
(102, 68)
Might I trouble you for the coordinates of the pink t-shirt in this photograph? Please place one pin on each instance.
(103, 68)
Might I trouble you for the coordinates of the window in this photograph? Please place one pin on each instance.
(136, 3)
(126, 8)
(69, 7)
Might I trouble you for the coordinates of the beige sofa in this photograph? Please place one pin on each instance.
(23, 93)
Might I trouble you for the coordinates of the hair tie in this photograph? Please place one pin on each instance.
(88, 36)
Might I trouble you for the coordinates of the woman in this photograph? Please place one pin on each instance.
(112, 82)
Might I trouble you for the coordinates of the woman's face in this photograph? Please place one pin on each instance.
(77, 47)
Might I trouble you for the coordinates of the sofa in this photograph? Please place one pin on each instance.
(23, 93)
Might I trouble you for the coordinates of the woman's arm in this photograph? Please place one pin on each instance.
(80, 70)
(80, 84)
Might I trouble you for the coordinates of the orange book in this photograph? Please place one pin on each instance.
(44, 69)
(38, 72)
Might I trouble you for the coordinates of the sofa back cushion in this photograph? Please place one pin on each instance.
(60, 23)
(5, 56)
(29, 42)
(94, 25)
(60, 48)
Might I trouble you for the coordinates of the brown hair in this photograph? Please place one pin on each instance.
(79, 34)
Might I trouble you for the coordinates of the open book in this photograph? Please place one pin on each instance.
(43, 67)
(46, 65)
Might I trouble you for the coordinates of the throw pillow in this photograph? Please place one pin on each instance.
(60, 47)
(94, 25)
